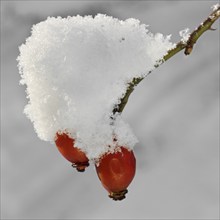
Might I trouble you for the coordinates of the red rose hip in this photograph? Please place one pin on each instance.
(65, 145)
(116, 171)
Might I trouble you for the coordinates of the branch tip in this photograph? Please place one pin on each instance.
(187, 46)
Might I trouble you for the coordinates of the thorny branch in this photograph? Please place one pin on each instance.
(188, 46)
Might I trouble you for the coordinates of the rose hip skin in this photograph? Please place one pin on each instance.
(65, 145)
(116, 171)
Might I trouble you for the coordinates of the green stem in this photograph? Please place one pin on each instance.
(188, 46)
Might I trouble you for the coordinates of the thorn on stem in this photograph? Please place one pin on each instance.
(212, 29)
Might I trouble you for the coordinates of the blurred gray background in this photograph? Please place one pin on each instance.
(174, 112)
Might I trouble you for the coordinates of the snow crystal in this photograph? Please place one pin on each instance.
(184, 34)
(215, 7)
(76, 69)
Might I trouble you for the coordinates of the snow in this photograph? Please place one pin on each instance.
(215, 7)
(76, 69)
(184, 34)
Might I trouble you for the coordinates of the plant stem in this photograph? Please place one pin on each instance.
(188, 46)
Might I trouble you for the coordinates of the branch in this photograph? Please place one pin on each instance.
(188, 46)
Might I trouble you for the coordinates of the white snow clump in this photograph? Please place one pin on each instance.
(76, 69)
(184, 34)
(215, 7)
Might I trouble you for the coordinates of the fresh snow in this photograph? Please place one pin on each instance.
(215, 7)
(76, 69)
(184, 34)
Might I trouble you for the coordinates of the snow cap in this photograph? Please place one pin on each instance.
(77, 69)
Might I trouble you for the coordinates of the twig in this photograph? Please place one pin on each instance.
(188, 46)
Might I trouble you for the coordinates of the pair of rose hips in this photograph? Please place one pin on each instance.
(115, 170)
